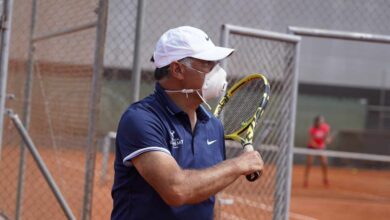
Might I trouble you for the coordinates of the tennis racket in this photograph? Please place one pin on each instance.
(240, 108)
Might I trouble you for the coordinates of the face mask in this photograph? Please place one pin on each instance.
(214, 85)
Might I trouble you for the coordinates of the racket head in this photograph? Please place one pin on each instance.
(242, 105)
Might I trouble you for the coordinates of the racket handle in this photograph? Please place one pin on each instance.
(255, 175)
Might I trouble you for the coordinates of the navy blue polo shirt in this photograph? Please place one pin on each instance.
(157, 124)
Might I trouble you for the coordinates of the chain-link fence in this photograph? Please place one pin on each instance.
(275, 56)
(53, 59)
(58, 113)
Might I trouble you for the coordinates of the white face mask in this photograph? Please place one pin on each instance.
(214, 85)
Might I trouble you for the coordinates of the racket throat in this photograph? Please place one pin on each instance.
(247, 146)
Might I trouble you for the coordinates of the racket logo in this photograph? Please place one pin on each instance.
(175, 142)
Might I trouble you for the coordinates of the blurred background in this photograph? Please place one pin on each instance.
(70, 68)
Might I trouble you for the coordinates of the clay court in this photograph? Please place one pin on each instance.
(70, 68)
(353, 193)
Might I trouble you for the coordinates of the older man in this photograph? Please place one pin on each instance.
(170, 151)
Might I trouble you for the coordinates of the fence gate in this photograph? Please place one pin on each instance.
(276, 56)
(54, 70)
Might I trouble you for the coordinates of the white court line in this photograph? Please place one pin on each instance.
(227, 216)
(267, 208)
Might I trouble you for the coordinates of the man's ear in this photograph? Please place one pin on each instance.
(176, 70)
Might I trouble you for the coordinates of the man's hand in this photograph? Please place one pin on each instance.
(249, 162)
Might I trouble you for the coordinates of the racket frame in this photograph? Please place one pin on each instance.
(250, 124)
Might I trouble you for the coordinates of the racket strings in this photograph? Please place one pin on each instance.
(242, 105)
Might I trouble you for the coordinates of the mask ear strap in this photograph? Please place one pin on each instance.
(186, 91)
(204, 101)
(181, 91)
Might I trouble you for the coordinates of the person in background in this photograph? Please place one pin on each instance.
(319, 137)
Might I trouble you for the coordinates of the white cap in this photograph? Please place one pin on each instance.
(186, 41)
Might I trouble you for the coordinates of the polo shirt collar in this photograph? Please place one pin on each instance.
(173, 109)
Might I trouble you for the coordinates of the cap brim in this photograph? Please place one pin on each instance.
(215, 54)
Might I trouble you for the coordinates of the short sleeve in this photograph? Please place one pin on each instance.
(139, 131)
(326, 128)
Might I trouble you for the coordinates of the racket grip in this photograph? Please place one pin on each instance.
(255, 175)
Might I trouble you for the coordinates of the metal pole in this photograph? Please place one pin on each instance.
(382, 101)
(342, 154)
(270, 35)
(6, 24)
(282, 162)
(41, 165)
(105, 152)
(94, 107)
(136, 72)
(292, 126)
(106, 155)
(26, 110)
(341, 35)
(224, 42)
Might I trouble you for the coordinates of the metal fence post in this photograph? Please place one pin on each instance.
(41, 165)
(98, 70)
(224, 42)
(26, 110)
(137, 71)
(294, 101)
(5, 27)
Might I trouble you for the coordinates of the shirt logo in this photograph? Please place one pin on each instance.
(175, 142)
(210, 142)
(319, 134)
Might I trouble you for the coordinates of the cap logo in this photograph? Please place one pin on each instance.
(186, 41)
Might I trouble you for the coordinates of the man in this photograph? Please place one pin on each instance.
(318, 138)
(169, 149)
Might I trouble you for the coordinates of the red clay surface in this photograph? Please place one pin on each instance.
(352, 195)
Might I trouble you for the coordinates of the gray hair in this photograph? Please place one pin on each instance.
(186, 61)
(162, 72)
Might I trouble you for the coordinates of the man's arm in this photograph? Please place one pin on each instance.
(178, 187)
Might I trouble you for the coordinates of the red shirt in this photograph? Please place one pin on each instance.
(318, 136)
